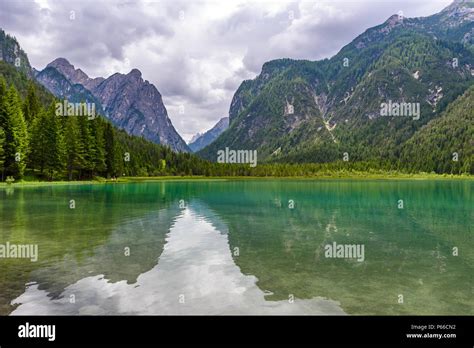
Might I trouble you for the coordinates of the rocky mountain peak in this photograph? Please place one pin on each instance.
(128, 101)
(195, 137)
(67, 69)
(12, 53)
(62, 63)
(76, 76)
(459, 11)
(393, 21)
(201, 140)
(135, 72)
(460, 4)
(134, 77)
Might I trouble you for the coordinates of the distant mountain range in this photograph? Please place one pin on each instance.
(200, 141)
(318, 111)
(321, 111)
(127, 101)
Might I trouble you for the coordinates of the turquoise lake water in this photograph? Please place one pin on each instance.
(240, 247)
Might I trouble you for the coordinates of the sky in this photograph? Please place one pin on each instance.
(196, 53)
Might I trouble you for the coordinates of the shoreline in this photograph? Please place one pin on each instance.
(353, 176)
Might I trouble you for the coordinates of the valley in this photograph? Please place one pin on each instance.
(343, 113)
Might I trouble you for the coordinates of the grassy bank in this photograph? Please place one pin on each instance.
(333, 176)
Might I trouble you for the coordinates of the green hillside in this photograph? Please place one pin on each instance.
(337, 102)
(446, 144)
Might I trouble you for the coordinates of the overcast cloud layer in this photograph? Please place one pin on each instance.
(195, 52)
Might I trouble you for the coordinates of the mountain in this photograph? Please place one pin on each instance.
(76, 76)
(136, 106)
(126, 100)
(71, 148)
(200, 141)
(454, 131)
(64, 88)
(12, 53)
(318, 111)
(195, 137)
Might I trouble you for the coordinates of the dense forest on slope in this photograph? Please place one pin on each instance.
(446, 144)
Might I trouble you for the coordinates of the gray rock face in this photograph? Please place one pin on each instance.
(75, 75)
(195, 137)
(13, 54)
(202, 140)
(128, 101)
(63, 88)
(459, 12)
(136, 106)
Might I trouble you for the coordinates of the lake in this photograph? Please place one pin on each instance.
(240, 247)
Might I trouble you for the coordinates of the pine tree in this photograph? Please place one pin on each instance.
(3, 87)
(86, 148)
(31, 104)
(110, 150)
(38, 143)
(16, 134)
(55, 140)
(2, 152)
(98, 154)
(73, 146)
(3, 112)
(3, 122)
